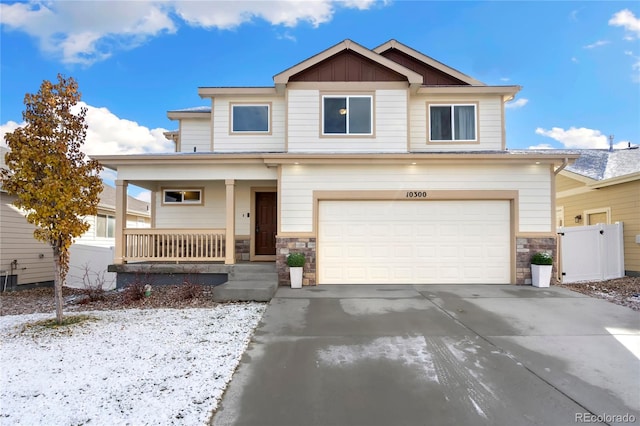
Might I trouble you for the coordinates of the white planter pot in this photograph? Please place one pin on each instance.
(541, 275)
(296, 276)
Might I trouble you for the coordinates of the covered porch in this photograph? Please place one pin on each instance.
(200, 212)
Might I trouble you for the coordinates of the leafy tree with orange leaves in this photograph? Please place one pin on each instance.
(54, 183)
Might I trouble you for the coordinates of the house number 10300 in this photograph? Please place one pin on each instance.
(416, 194)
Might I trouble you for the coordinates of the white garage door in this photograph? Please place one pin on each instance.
(414, 242)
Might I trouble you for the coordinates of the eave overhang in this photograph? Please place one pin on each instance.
(211, 92)
(178, 115)
(596, 184)
(507, 92)
(274, 159)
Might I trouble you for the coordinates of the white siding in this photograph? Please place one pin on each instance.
(17, 243)
(223, 141)
(390, 125)
(213, 213)
(489, 124)
(533, 182)
(90, 238)
(195, 133)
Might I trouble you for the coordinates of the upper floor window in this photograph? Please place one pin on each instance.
(347, 115)
(182, 196)
(452, 122)
(250, 118)
(105, 226)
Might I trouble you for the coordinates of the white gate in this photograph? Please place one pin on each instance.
(594, 252)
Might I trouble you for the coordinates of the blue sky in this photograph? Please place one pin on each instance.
(578, 62)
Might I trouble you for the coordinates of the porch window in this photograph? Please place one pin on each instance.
(250, 118)
(452, 122)
(182, 196)
(105, 226)
(347, 115)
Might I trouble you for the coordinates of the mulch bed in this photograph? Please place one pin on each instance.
(621, 291)
(41, 300)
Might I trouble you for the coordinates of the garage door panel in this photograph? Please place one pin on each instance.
(414, 242)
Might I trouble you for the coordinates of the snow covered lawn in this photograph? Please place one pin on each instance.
(136, 367)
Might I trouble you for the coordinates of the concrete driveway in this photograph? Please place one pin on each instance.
(437, 355)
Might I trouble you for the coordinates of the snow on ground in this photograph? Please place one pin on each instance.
(129, 367)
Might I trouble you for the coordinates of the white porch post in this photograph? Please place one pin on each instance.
(121, 220)
(230, 245)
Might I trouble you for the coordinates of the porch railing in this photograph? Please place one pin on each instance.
(141, 244)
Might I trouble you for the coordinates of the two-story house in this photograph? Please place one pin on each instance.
(381, 165)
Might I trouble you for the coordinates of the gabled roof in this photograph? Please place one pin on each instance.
(603, 165)
(412, 77)
(108, 201)
(394, 44)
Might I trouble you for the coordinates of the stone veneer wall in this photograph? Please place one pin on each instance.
(307, 246)
(527, 247)
(243, 250)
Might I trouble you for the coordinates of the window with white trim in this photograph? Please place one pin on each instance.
(105, 226)
(250, 118)
(347, 115)
(452, 122)
(182, 196)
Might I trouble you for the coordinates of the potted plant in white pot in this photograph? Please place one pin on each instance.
(541, 265)
(296, 265)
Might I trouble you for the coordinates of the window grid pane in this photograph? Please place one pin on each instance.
(250, 118)
(359, 113)
(465, 126)
(182, 196)
(335, 115)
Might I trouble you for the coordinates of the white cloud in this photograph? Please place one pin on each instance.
(517, 103)
(581, 138)
(110, 134)
(574, 60)
(8, 127)
(541, 146)
(84, 32)
(143, 195)
(626, 19)
(598, 43)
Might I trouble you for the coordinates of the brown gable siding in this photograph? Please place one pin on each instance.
(432, 76)
(347, 66)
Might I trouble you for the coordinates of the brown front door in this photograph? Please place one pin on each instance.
(266, 223)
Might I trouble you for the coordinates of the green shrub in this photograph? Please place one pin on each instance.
(295, 260)
(542, 258)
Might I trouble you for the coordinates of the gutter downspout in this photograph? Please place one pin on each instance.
(564, 164)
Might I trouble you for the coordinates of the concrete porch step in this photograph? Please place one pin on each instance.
(253, 276)
(245, 291)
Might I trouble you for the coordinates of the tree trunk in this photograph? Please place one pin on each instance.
(57, 284)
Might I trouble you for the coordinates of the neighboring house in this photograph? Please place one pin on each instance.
(382, 166)
(603, 187)
(27, 262)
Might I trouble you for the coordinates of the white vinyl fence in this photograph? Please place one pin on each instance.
(89, 263)
(589, 253)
